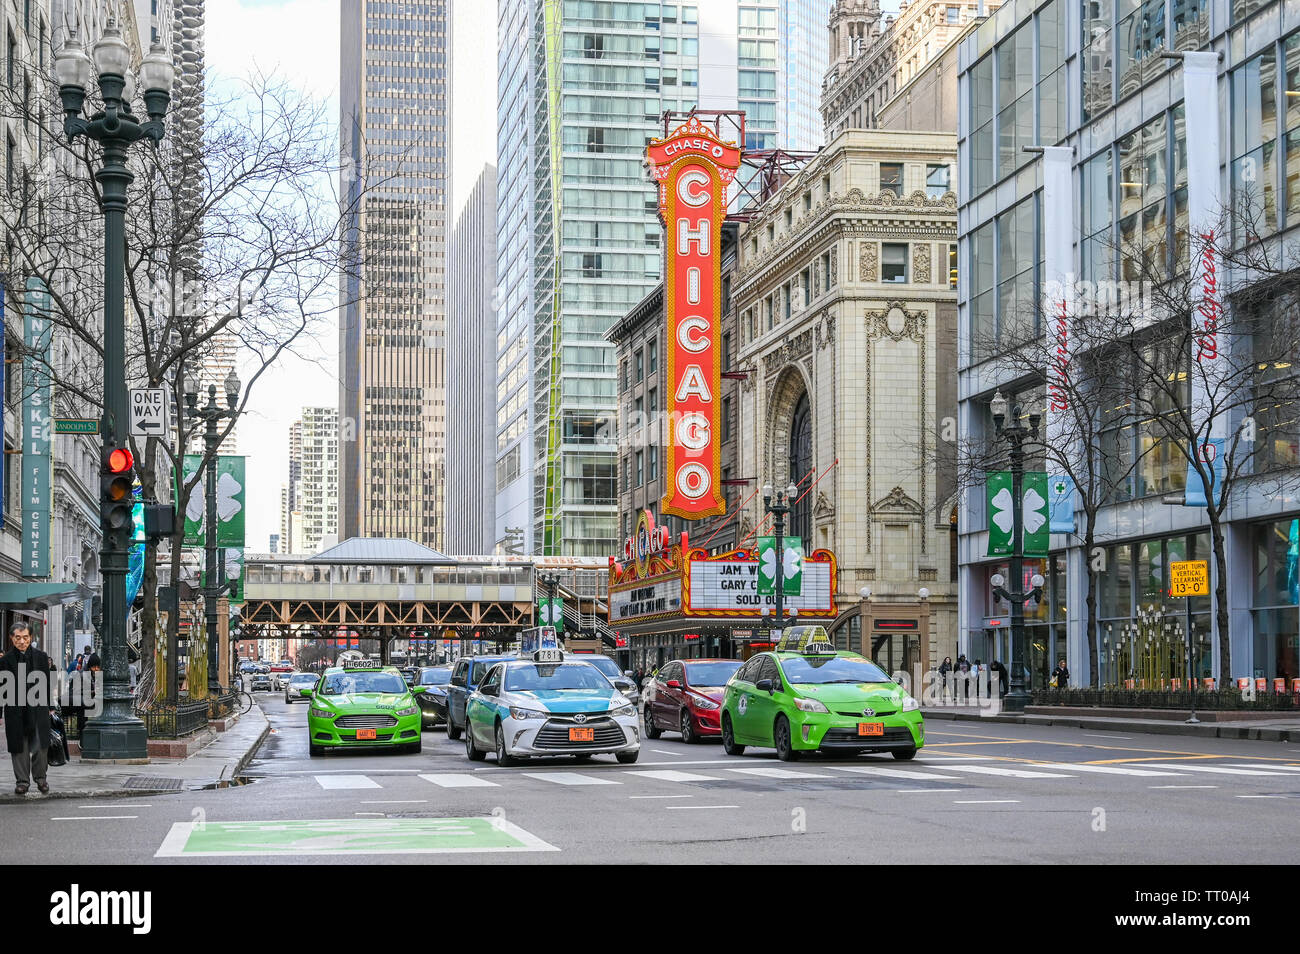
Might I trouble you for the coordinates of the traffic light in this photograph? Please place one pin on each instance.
(115, 480)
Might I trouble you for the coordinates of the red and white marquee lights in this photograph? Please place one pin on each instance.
(693, 167)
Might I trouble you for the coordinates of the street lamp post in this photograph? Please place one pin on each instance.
(211, 414)
(550, 581)
(115, 733)
(784, 502)
(1016, 435)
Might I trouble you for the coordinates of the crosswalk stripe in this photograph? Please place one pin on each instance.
(346, 781)
(1013, 773)
(1104, 769)
(892, 773)
(570, 778)
(778, 773)
(667, 775)
(1215, 769)
(1266, 765)
(458, 780)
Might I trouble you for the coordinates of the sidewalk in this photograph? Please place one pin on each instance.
(1279, 728)
(219, 761)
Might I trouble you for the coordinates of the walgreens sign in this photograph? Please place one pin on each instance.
(693, 168)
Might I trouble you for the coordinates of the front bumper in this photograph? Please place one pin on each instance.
(706, 721)
(832, 732)
(403, 730)
(551, 736)
(431, 713)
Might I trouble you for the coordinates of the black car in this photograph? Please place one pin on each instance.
(261, 680)
(433, 701)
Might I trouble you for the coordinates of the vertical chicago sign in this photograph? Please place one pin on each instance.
(693, 168)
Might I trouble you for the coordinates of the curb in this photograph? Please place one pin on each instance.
(1209, 730)
(247, 757)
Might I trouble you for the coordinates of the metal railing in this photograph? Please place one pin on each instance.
(166, 721)
(1208, 699)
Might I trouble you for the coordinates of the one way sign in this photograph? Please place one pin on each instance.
(148, 412)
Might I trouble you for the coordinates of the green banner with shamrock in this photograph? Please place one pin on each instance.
(1034, 509)
(230, 502)
(550, 612)
(791, 569)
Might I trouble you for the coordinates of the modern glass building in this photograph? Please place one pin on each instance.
(1094, 77)
(582, 85)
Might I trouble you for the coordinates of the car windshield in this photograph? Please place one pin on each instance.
(301, 679)
(435, 677)
(479, 671)
(820, 670)
(341, 682)
(555, 676)
(710, 673)
(605, 665)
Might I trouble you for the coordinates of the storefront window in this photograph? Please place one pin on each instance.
(1277, 592)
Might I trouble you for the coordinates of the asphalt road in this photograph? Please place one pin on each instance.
(977, 794)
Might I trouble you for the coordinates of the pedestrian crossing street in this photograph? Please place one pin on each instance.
(935, 773)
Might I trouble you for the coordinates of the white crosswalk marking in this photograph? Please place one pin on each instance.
(998, 770)
(892, 773)
(667, 775)
(1103, 769)
(570, 778)
(346, 781)
(1216, 769)
(458, 780)
(1266, 765)
(778, 773)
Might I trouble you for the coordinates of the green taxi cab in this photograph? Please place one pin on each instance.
(806, 696)
(361, 704)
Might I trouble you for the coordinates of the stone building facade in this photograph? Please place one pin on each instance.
(846, 323)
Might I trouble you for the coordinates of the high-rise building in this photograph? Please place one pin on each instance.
(581, 88)
(309, 502)
(392, 393)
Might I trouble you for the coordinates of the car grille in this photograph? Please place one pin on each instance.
(858, 715)
(571, 718)
(552, 736)
(847, 736)
(365, 722)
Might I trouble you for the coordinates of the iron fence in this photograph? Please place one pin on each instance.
(1208, 699)
(167, 721)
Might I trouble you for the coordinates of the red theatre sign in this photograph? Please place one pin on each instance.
(693, 167)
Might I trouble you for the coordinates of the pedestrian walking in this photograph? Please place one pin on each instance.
(133, 674)
(27, 727)
(963, 677)
(945, 668)
(977, 669)
(999, 672)
(1061, 675)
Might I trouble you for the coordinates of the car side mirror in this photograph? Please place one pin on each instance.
(305, 692)
(629, 673)
(764, 685)
(674, 684)
(416, 690)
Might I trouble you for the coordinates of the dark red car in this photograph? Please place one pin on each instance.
(686, 697)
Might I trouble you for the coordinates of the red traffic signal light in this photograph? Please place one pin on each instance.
(119, 460)
(115, 488)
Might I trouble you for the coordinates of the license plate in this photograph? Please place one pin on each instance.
(582, 735)
(365, 734)
(871, 728)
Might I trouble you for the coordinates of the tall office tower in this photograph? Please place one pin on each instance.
(471, 373)
(317, 497)
(392, 392)
(290, 500)
(580, 89)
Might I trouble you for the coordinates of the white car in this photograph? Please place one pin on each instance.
(280, 680)
(524, 707)
(295, 683)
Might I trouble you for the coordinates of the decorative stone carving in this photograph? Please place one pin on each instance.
(897, 502)
(825, 332)
(869, 262)
(921, 263)
(817, 281)
(794, 348)
(835, 266)
(823, 507)
(896, 322)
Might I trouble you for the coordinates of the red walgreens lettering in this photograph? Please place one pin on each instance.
(1211, 309)
(1059, 365)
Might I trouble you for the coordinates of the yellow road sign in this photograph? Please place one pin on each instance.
(1189, 578)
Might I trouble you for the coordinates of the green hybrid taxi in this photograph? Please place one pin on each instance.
(361, 704)
(806, 696)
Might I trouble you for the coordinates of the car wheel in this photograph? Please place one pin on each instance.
(472, 751)
(627, 758)
(453, 733)
(905, 755)
(651, 731)
(414, 747)
(729, 744)
(785, 751)
(503, 757)
(315, 749)
(688, 729)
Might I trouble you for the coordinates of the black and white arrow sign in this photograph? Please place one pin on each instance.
(148, 412)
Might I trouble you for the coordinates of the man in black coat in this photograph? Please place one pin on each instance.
(27, 727)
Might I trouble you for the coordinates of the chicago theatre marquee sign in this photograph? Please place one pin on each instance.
(693, 168)
(662, 578)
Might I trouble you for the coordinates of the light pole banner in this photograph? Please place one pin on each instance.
(38, 422)
(1035, 536)
(1204, 214)
(1059, 309)
(791, 566)
(230, 502)
(693, 168)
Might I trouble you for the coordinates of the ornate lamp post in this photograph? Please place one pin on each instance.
(115, 733)
(211, 414)
(784, 502)
(1016, 435)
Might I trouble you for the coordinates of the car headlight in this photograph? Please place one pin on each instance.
(623, 711)
(809, 705)
(911, 704)
(323, 714)
(408, 711)
(518, 713)
(700, 702)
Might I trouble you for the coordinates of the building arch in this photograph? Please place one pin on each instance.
(783, 401)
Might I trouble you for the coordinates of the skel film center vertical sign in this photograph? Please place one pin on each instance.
(693, 168)
(37, 424)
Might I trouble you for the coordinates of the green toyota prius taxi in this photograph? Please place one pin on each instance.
(806, 696)
(362, 703)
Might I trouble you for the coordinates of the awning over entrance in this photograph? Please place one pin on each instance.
(42, 594)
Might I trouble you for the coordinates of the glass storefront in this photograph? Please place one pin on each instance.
(1044, 620)
(1276, 595)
